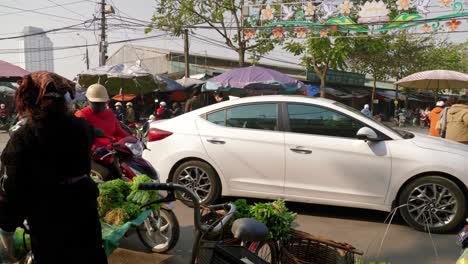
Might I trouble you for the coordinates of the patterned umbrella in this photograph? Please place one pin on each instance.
(239, 78)
(435, 80)
(10, 72)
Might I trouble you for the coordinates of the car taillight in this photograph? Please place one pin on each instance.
(155, 134)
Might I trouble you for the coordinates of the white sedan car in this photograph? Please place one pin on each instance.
(316, 151)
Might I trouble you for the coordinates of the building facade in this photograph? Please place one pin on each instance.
(38, 52)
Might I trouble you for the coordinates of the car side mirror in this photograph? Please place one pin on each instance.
(366, 133)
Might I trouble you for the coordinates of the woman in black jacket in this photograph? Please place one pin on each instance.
(47, 181)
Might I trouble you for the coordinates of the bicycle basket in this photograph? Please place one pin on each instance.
(304, 248)
(231, 254)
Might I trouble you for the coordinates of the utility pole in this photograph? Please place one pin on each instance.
(186, 54)
(103, 43)
(87, 54)
(87, 57)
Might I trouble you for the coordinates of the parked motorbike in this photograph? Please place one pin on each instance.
(160, 231)
(463, 242)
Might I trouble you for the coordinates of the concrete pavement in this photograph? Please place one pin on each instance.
(363, 229)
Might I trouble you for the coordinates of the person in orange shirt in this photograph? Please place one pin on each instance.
(434, 117)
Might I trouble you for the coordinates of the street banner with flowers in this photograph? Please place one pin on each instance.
(296, 19)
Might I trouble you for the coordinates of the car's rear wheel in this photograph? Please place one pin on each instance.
(201, 178)
(434, 204)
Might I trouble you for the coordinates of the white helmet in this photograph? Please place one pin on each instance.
(129, 104)
(163, 104)
(118, 104)
(97, 93)
(2, 105)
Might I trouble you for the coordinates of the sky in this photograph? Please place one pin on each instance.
(61, 13)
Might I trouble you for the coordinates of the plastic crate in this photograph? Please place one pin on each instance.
(229, 254)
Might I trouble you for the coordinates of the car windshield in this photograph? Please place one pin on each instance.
(404, 134)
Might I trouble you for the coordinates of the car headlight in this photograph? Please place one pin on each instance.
(135, 148)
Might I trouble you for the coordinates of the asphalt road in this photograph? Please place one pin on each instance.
(363, 229)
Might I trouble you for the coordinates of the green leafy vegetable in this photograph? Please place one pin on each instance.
(275, 216)
(116, 216)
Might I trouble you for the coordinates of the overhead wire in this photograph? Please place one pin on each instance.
(17, 51)
(66, 8)
(40, 13)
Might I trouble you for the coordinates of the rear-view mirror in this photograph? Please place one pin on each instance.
(366, 133)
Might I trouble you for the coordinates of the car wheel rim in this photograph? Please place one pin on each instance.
(196, 179)
(158, 231)
(432, 205)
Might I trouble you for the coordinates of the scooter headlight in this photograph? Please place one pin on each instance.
(135, 148)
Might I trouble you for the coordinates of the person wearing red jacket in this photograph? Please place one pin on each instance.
(99, 117)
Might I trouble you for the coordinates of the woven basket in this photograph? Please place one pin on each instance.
(302, 248)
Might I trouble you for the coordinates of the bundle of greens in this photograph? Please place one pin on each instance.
(141, 197)
(274, 215)
(119, 201)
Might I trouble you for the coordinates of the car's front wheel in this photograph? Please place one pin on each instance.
(434, 204)
(201, 178)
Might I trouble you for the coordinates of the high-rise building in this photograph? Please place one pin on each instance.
(38, 51)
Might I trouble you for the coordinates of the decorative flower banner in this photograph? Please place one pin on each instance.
(372, 16)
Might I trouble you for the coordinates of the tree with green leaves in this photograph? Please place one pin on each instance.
(322, 53)
(176, 15)
(371, 56)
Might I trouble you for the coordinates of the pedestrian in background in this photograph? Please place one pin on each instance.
(176, 109)
(163, 112)
(119, 111)
(130, 115)
(195, 102)
(442, 124)
(366, 111)
(457, 121)
(3, 113)
(434, 117)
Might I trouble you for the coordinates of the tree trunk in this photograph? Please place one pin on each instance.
(322, 85)
(241, 56)
(373, 95)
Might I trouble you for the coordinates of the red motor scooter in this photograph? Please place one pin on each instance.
(121, 160)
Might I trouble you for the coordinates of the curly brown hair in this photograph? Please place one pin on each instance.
(41, 95)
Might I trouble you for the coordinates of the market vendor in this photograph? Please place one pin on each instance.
(46, 180)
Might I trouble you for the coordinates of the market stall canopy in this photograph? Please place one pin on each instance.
(189, 82)
(126, 77)
(435, 80)
(124, 97)
(8, 91)
(239, 78)
(171, 85)
(10, 72)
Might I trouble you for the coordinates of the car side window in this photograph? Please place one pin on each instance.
(216, 118)
(315, 120)
(255, 116)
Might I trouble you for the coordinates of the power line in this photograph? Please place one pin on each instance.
(66, 8)
(54, 59)
(40, 13)
(41, 8)
(16, 51)
(46, 31)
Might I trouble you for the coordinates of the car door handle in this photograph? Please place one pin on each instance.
(300, 150)
(217, 142)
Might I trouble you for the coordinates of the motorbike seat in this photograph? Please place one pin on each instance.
(249, 230)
